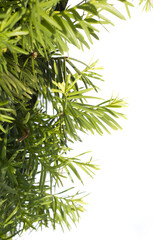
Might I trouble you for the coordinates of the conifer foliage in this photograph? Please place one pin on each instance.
(37, 75)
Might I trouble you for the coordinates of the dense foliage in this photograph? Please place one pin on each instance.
(37, 77)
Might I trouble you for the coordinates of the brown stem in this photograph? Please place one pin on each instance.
(25, 136)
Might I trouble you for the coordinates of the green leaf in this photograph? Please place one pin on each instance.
(50, 20)
(74, 170)
(17, 49)
(79, 93)
(48, 4)
(7, 188)
(16, 33)
(71, 29)
(2, 129)
(11, 215)
(113, 10)
(90, 8)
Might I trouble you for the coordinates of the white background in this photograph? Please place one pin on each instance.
(121, 195)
